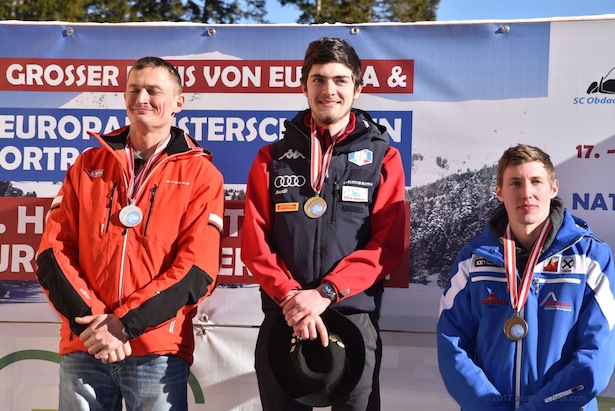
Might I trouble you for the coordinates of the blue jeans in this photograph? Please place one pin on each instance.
(147, 383)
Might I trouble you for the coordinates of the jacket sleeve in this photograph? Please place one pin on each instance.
(194, 269)
(456, 338)
(589, 371)
(267, 267)
(58, 270)
(384, 251)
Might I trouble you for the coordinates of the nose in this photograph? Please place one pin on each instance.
(527, 190)
(143, 96)
(329, 87)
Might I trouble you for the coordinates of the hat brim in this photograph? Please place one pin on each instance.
(279, 348)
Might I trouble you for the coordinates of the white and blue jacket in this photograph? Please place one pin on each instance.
(567, 357)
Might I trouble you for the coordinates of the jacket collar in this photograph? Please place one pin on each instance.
(180, 141)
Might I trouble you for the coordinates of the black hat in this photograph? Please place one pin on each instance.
(312, 374)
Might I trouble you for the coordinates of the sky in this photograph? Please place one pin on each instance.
(450, 10)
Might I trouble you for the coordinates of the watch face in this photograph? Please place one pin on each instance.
(329, 291)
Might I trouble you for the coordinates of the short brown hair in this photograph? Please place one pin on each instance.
(523, 153)
(332, 50)
(153, 62)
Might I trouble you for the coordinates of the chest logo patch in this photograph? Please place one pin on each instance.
(552, 265)
(291, 154)
(355, 194)
(286, 207)
(361, 157)
(95, 173)
(550, 303)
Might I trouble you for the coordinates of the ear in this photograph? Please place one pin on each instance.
(304, 89)
(358, 91)
(498, 192)
(554, 188)
(179, 103)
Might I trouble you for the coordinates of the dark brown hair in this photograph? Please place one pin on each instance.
(332, 50)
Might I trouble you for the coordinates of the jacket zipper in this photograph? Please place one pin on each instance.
(538, 282)
(151, 206)
(518, 356)
(111, 196)
(336, 195)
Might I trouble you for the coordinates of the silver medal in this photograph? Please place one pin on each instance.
(131, 216)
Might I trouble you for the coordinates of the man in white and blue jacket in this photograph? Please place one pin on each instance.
(526, 319)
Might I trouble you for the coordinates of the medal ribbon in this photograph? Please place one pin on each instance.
(518, 299)
(136, 180)
(319, 164)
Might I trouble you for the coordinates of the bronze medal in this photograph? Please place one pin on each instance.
(515, 328)
(131, 216)
(315, 207)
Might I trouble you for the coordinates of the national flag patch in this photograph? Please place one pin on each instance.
(361, 157)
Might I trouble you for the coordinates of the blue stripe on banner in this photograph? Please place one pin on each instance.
(40, 145)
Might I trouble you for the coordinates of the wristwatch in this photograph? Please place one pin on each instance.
(329, 291)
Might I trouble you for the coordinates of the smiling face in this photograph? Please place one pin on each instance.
(152, 98)
(330, 91)
(526, 190)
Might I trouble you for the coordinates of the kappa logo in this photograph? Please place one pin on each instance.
(492, 300)
(291, 154)
(552, 265)
(550, 303)
(95, 173)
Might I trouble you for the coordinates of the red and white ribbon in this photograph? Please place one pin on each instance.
(136, 180)
(319, 164)
(518, 299)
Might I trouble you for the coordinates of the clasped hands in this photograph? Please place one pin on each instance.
(302, 309)
(104, 338)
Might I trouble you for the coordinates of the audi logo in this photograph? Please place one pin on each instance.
(289, 181)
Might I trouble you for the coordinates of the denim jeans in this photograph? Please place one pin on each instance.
(147, 383)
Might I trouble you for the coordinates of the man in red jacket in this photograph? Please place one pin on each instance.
(131, 247)
(324, 220)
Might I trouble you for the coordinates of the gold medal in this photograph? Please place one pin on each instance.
(515, 328)
(315, 207)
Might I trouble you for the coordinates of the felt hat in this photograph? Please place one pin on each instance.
(314, 375)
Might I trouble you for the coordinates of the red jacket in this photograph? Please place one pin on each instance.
(151, 276)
